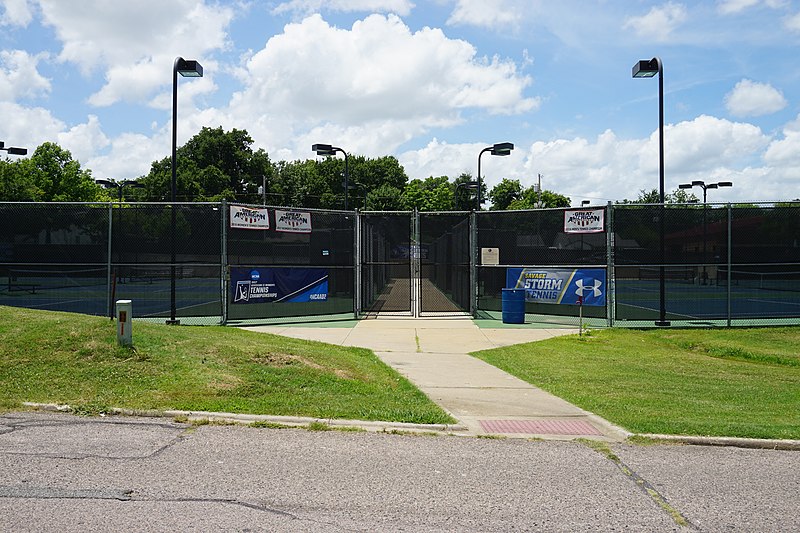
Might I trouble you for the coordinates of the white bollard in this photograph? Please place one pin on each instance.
(124, 322)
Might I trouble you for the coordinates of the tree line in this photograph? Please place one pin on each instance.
(216, 164)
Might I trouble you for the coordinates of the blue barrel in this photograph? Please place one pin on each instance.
(513, 306)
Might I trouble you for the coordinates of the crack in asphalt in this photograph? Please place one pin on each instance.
(643, 485)
(55, 493)
(21, 423)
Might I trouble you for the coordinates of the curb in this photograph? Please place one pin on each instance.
(294, 421)
(386, 427)
(736, 442)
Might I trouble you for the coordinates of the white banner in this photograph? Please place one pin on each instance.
(249, 217)
(292, 221)
(584, 221)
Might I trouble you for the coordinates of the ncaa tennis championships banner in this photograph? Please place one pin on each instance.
(267, 285)
(559, 285)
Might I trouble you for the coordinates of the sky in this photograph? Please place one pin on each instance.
(429, 82)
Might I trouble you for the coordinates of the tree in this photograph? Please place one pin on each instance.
(504, 193)
(464, 196)
(212, 165)
(652, 196)
(17, 183)
(385, 198)
(432, 194)
(57, 177)
(530, 198)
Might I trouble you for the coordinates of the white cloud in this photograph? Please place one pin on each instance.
(129, 156)
(19, 77)
(659, 22)
(753, 99)
(610, 168)
(16, 13)
(28, 127)
(792, 23)
(500, 14)
(84, 140)
(136, 42)
(729, 7)
(306, 7)
(376, 83)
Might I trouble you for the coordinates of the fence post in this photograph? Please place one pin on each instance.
(473, 264)
(357, 264)
(610, 285)
(730, 257)
(224, 260)
(110, 304)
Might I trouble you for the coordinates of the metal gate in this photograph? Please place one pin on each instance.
(444, 264)
(414, 264)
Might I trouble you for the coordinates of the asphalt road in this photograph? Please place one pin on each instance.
(65, 473)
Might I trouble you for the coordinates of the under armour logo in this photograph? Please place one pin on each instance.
(594, 287)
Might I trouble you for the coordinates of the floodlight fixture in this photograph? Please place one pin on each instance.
(501, 149)
(330, 150)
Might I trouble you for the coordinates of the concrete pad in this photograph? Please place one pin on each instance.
(434, 355)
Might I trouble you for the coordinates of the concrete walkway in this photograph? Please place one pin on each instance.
(433, 354)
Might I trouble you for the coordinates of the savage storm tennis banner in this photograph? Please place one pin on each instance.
(266, 285)
(559, 285)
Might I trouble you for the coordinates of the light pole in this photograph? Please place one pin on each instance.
(119, 185)
(647, 69)
(326, 150)
(705, 186)
(191, 69)
(467, 185)
(13, 150)
(495, 149)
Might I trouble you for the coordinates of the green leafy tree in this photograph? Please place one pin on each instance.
(17, 183)
(504, 193)
(530, 198)
(212, 165)
(464, 196)
(431, 194)
(60, 178)
(385, 198)
(678, 196)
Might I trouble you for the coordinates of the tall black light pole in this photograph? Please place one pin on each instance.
(327, 149)
(13, 150)
(495, 149)
(647, 69)
(705, 186)
(190, 69)
(119, 185)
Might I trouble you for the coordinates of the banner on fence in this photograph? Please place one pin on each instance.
(584, 221)
(267, 285)
(248, 217)
(292, 221)
(559, 285)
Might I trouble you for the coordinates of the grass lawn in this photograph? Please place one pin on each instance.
(74, 359)
(723, 382)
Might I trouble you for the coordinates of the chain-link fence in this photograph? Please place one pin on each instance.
(719, 264)
(174, 261)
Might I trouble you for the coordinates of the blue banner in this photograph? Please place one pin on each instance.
(586, 286)
(267, 285)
